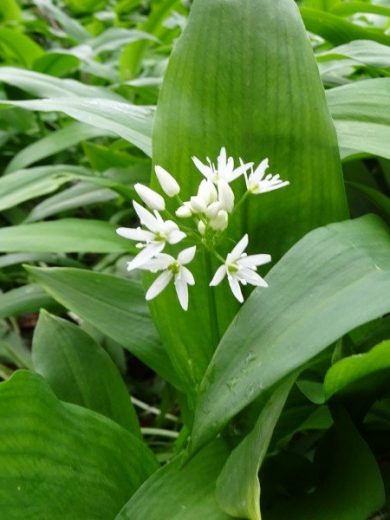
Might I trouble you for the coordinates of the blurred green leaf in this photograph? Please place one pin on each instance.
(28, 298)
(70, 235)
(24, 50)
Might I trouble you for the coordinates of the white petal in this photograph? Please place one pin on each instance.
(266, 186)
(150, 197)
(218, 276)
(182, 292)
(240, 171)
(167, 182)
(207, 191)
(161, 262)
(187, 255)
(222, 160)
(213, 209)
(237, 251)
(175, 236)
(252, 260)
(259, 173)
(236, 289)
(250, 276)
(203, 168)
(135, 234)
(146, 217)
(187, 276)
(145, 255)
(159, 285)
(226, 196)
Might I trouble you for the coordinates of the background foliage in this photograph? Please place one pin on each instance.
(113, 410)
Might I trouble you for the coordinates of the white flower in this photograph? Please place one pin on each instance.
(151, 240)
(256, 182)
(225, 170)
(207, 194)
(151, 198)
(168, 183)
(172, 269)
(241, 268)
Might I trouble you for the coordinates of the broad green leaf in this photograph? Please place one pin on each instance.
(78, 196)
(23, 185)
(116, 37)
(28, 298)
(238, 487)
(59, 460)
(23, 48)
(301, 313)
(356, 368)
(81, 372)
(132, 123)
(47, 258)
(336, 30)
(180, 490)
(53, 143)
(62, 236)
(351, 487)
(45, 86)
(248, 94)
(115, 306)
(362, 116)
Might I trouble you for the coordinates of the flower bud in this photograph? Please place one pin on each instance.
(213, 209)
(220, 222)
(151, 198)
(198, 204)
(184, 211)
(168, 184)
(201, 227)
(226, 196)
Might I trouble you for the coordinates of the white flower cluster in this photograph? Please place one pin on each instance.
(209, 209)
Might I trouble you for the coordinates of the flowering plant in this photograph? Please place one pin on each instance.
(209, 211)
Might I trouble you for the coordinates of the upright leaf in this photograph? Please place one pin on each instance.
(238, 78)
(79, 371)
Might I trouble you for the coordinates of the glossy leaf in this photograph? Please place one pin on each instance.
(79, 371)
(362, 116)
(356, 368)
(298, 316)
(62, 236)
(115, 306)
(59, 459)
(248, 94)
(180, 491)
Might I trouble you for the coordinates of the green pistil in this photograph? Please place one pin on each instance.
(232, 268)
(174, 268)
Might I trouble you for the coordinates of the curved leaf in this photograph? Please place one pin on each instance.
(301, 313)
(59, 459)
(79, 371)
